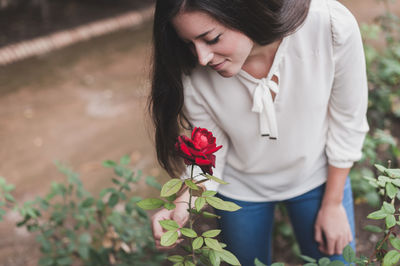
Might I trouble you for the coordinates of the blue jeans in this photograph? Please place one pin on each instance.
(248, 231)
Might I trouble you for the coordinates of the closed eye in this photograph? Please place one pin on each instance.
(215, 40)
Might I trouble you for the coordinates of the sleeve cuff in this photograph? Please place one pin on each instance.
(340, 163)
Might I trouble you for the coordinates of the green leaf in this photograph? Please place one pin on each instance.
(171, 198)
(171, 187)
(189, 263)
(216, 179)
(208, 193)
(210, 215)
(188, 232)
(257, 262)
(199, 203)
(109, 164)
(135, 199)
(391, 190)
(9, 197)
(46, 261)
(390, 221)
(116, 181)
(214, 258)
(336, 263)
(395, 241)
(381, 168)
(388, 208)
(126, 159)
(169, 238)
(191, 185)
(373, 229)
(151, 181)
(212, 243)
(169, 205)
(396, 182)
(85, 238)
(324, 261)
(3, 212)
(348, 254)
(87, 202)
(169, 224)
(9, 188)
(307, 258)
(150, 204)
(64, 261)
(198, 243)
(222, 205)
(119, 170)
(227, 256)
(83, 252)
(384, 178)
(113, 200)
(391, 258)
(310, 264)
(277, 264)
(211, 233)
(377, 215)
(176, 258)
(393, 173)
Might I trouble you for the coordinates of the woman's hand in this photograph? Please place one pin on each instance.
(180, 215)
(332, 229)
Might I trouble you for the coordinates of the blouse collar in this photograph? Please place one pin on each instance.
(262, 98)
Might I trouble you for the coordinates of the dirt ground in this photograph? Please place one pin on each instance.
(82, 105)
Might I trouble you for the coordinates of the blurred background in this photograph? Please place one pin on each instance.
(74, 80)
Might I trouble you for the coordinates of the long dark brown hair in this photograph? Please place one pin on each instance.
(263, 21)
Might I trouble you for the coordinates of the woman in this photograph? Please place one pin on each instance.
(282, 85)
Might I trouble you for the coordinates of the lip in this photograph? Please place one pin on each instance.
(218, 66)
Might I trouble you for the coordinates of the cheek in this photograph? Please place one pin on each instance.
(241, 47)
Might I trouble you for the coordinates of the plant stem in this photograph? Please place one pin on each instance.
(381, 244)
(190, 215)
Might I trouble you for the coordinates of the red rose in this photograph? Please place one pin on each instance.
(199, 149)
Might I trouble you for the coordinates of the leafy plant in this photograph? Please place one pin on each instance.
(382, 53)
(200, 247)
(74, 227)
(387, 249)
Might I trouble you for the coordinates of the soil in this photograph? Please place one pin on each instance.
(85, 104)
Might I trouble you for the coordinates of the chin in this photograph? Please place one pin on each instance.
(227, 73)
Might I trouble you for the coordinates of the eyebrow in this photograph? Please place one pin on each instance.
(204, 34)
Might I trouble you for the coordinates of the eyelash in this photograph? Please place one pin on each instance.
(214, 41)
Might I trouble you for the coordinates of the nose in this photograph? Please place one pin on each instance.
(204, 55)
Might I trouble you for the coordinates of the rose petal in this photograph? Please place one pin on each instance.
(202, 161)
(212, 150)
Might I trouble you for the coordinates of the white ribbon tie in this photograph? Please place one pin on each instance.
(264, 105)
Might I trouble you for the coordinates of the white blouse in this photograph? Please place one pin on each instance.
(275, 149)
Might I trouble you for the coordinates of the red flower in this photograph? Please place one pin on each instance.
(199, 149)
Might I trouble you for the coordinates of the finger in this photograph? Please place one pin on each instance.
(330, 245)
(157, 228)
(161, 247)
(318, 235)
(340, 246)
(347, 241)
(350, 236)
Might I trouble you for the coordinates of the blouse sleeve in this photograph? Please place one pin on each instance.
(349, 96)
(199, 115)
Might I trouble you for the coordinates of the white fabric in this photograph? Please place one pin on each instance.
(319, 110)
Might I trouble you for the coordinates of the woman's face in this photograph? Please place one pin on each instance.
(221, 48)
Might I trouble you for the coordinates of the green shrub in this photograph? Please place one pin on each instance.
(74, 227)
